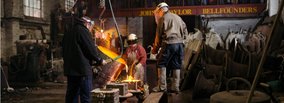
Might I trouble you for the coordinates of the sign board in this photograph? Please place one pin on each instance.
(234, 9)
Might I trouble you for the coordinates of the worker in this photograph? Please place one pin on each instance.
(79, 53)
(136, 57)
(170, 35)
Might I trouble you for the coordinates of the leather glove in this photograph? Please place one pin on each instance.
(104, 62)
(139, 65)
(153, 56)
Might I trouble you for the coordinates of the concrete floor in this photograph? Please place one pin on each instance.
(55, 93)
(50, 92)
(44, 93)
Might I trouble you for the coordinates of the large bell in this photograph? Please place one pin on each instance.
(204, 87)
(214, 56)
(235, 69)
(213, 70)
(238, 96)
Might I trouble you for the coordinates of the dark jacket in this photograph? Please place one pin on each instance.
(78, 50)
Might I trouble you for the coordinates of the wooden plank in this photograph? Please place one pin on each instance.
(195, 46)
(154, 97)
(197, 49)
(191, 53)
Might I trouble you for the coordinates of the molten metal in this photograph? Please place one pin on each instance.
(115, 57)
(130, 79)
(132, 83)
(112, 55)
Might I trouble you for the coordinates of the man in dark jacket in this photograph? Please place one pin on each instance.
(170, 34)
(79, 52)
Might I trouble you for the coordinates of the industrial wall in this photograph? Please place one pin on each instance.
(14, 24)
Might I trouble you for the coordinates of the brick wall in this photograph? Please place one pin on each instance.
(14, 24)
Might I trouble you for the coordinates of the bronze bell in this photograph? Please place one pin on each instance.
(205, 87)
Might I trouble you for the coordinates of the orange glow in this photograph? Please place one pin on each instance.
(132, 83)
(117, 72)
(115, 57)
(130, 74)
(130, 79)
(112, 55)
(103, 40)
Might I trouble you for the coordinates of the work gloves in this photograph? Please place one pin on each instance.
(106, 61)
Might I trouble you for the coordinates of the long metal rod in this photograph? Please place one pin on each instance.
(263, 57)
(118, 32)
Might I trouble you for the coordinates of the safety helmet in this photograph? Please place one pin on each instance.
(162, 4)
(86, 19)
(132, 39)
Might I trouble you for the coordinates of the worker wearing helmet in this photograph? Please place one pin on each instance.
(170, 33)
(136, 57)
(79, 52)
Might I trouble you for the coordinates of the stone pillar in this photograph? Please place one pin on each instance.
(12, 15)
(10, 37)
(14, 23)
(13, 8)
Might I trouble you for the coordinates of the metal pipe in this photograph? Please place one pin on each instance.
(263, 57)
(116, 26)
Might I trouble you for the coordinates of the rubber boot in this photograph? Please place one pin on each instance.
(175, 81)
(162, 83)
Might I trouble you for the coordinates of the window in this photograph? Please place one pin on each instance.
(2, 9)
(69, 4)
(33, 8)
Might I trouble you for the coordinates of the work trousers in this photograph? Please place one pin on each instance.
(78, 87)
